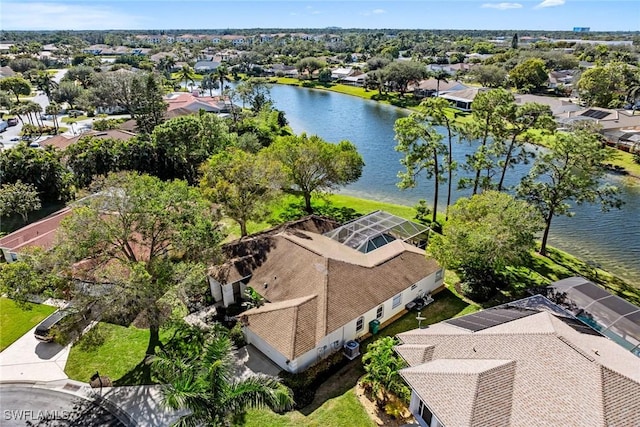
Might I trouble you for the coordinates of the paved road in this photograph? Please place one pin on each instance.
(31, 406)
(28, 359)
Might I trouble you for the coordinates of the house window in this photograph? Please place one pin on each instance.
(439, 274)
(414, 286)
(425, 413)
(360, 324)
(397, 300)
(380, 312)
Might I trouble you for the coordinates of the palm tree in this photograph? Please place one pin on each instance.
(186, 73)
(18, 110)
(221, 72)
(633, 94)
(436, 110)
(204, 385)
(209, 82)
(166, 64)
(31, 107)
(440, 75)
(53, 109)
(45, 82)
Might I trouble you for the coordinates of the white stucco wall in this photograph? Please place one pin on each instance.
(265, 348)
(227, 295)
(414, 407)
(326, 346)
(216, 289)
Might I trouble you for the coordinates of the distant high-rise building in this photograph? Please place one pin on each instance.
(581, 29)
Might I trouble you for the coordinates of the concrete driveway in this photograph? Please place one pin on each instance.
(250, 361)
(30, 360)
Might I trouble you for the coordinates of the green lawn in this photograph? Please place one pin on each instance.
(70, 120)
(337, 412)
(362, 206)
(16, 321)
(118, 356)
(446, 305)
(625, 160)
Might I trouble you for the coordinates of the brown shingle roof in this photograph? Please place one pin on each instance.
(344, 282)
(298, 315)
(560, 376)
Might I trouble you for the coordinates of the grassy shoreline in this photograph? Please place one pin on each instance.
(621, 159)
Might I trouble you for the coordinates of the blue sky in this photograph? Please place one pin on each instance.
(600, 15)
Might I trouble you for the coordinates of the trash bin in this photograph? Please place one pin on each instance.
(374, 326)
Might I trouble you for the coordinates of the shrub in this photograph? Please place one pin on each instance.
(382, 366)
(477, 291)
(106, 124)
(93, 339)
(304, 384)
(395, 409)
(237, 336)
(423, 213)
(295, 210)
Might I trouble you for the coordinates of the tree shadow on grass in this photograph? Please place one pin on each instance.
(136, 376)
(335, 385)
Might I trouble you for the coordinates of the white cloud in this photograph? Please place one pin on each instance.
(316, 12)
(550, 3)
(502, 6)
(54, 16)
(373, 12)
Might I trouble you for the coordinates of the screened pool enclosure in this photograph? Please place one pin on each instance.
(377, 229)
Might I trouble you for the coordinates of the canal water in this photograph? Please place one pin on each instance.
(609, 239)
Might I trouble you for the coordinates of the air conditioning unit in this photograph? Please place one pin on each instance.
(351, 349)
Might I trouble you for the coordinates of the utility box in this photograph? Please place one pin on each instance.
(374, 326)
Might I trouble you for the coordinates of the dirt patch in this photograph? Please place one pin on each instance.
(379, 416)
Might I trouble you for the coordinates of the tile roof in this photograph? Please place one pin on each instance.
(63, 141)
(295, 264)
(193, 103)
(533, 370)
(38, 234)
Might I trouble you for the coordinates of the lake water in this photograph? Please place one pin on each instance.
(610, 239)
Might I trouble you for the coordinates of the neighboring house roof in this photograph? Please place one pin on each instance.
(561, 77)
(6, 72)
(188, 101)
(356, 78)
(63, 141)
(542, 368)
(315, 285)
(341, 72)
(38, 234)
(558, 106)
(445, 86)
(206, 65)
(606, 118)
(160, 55)
(465, 95)
(130, 125)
